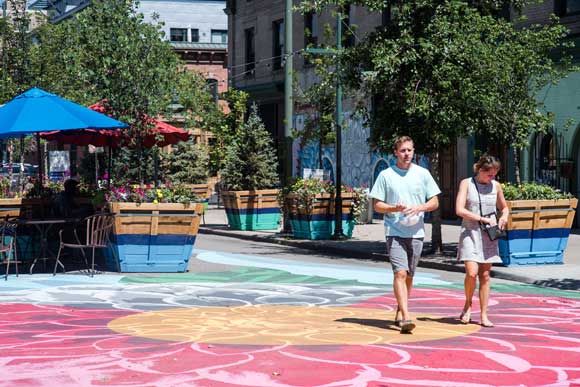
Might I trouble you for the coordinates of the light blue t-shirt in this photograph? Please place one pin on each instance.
(413, 186)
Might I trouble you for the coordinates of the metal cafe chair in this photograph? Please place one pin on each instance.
(97, 229)
(7, 247)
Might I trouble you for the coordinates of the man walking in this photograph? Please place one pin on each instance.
(403, 193)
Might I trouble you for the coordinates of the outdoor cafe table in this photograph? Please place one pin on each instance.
(43, 227)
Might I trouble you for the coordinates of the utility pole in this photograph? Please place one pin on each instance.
(288, 96)
(338, 232)
(288, 103)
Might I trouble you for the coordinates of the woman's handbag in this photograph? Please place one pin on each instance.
(493, 232)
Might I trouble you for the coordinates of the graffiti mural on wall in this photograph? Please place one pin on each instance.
(360, 163)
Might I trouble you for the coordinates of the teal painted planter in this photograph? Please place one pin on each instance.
(537, 232)
(319, 221)
(319, 229)
(266, 219)
(252, 210)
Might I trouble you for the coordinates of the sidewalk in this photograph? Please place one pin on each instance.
(368, 243)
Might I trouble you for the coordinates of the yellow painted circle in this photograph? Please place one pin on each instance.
(284, 324)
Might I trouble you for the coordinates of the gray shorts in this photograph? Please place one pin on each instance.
(404, 253)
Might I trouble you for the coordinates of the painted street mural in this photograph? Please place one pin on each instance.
(272, 322)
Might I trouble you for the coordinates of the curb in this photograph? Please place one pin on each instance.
(354, 253)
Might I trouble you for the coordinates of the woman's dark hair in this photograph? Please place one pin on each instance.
(486, 162)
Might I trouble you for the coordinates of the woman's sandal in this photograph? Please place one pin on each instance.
(465, 317)
(487, 324)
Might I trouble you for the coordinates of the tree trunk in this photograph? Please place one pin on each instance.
(516, 154)
(436, 236)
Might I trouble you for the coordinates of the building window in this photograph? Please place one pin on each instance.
(277, 43)
(212, 85)
(250, 51)
(567, 7)
(194, 35)
(178, 34)
(310, 29)
(219, 36)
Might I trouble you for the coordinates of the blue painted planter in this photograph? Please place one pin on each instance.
(252, 210)
(151, 253)
(537, 231)
(153, 237)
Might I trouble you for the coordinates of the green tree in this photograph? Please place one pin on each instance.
(199, 110)
(447, 69)
(318, 102)
(188, 163)
(250, 160)
(107, 53)
(226, 127)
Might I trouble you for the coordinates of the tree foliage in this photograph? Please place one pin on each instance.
(446, 69)
(188, 163)
(250, 161)
(106, 53)
(124, 61)
(226, 126)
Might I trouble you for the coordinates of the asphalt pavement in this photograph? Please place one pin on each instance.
(368, 243)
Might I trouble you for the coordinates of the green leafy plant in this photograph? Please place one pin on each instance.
(305, 191)
(533, 191)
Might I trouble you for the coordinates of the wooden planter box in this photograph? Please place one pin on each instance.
(150, 237)
(25, 208)
(537, 231)
(318, 221)
(202, 191)
(252, 210)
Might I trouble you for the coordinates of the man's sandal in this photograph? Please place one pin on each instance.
(398, 319)
(407, 326)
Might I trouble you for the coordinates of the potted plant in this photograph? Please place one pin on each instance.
(538, 226)
(249, 176)
(309, 204)
(155, 228)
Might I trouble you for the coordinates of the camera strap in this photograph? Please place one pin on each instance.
(478, 195)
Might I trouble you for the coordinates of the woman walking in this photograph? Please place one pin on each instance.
(478, 200)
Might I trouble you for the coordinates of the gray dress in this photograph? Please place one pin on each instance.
(473, 244)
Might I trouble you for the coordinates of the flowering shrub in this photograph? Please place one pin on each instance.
(5, 191)
(305, 190)
(148, 194)
(532, 191)
(33, 189)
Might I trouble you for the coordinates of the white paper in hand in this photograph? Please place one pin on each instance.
(409, 221)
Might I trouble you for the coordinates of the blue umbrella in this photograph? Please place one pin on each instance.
(38, 111)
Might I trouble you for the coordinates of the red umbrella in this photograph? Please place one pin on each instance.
(161, 135)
